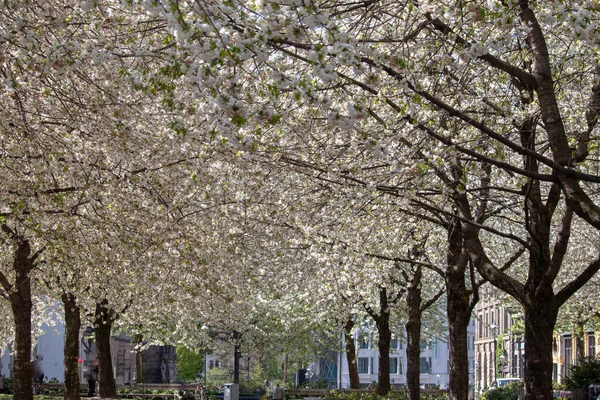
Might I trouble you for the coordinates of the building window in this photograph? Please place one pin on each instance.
(211, 364)
(424, 366)
(393, 365)
(568, 353)
(363, 342)
(363, 365)
(591, 345)
(395, 344)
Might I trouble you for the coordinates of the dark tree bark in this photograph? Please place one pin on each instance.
(103, 327)
(139, 372)
(19, 296)
(383, 344)
(413, 337)
(72, 327)
(237, 355)
(460, 306)
(285, 370)
(540, 318)
(382, 321)
(351, 354)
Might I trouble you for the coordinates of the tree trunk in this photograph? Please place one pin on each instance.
(385, 338)
(139, 373)
(71, 352)
(285, 370)
(459, 309)
(413, 338)
(458, 322)
(540, 317)
(580, 343)
(21, 304)
(103, 327)
(237, 355)
(351, 355)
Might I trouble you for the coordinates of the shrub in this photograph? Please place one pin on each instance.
(586, 373)
(507, 392)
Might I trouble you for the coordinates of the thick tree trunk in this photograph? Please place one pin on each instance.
(71, 352)
(540, 318)
(351, 355)
(459, 358)
(413, 334)
(459, 309)
(103, 327)
(21, 304)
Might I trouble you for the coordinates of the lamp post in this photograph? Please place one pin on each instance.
(493, 328)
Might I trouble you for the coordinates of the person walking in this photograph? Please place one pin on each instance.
(92, 377)
(37, 373)
(278, 393)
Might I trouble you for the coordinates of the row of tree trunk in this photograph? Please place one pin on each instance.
(19, 296)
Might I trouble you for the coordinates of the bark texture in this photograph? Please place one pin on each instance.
(21, 305)
(351, 355)
(103, 327)
(459, 308)
(382, 322)
(139, 374)
(413, 340)
(71, 352)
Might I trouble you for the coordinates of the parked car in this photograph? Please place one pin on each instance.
(505, 381)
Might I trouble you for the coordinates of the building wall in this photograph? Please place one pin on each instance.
(491, 312)
(434, 354)
(566, 348)
(496, 337)
(49, 347)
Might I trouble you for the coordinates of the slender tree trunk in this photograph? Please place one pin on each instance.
(285, 370)
(139, 373)
(385, 338)
(71, 365)
(103, 327)
(580, 346)
(21, 304)
(351, 355)
(459, 309)
(237, 355)
(413, 333)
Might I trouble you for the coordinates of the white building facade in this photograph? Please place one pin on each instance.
(434, 365)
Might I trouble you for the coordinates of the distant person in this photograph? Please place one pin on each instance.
(37, 371)
(92, 378)
(278, 393)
